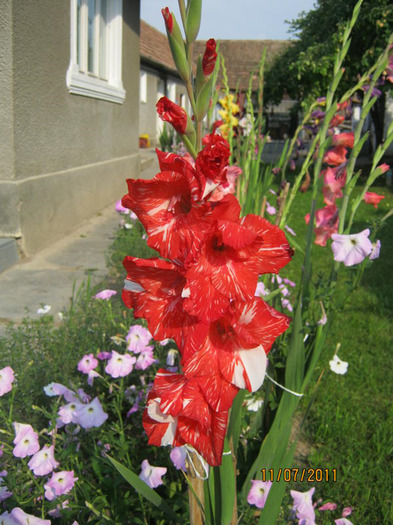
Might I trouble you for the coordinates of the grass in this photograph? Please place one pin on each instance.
(350, 421)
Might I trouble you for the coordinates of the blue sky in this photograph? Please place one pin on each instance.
(234, 19)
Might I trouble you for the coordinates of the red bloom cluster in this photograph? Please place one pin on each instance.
(209, 57)
(172, 113)
(201, 294)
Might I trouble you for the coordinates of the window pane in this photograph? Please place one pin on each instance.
(91, 36)
(103, 40)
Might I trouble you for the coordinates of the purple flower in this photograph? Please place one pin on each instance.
(351, 249)
(91, 376)
(343, 521)
(288, 281)
(19, 517)
(270, 209)
(68, 413)
(303, 506)
(57, 389)
(258, 493)
(120, 365)
(138, 338)
(145, 358)
(91, 415)
(6, 380)
(286, 304)
(376, 250)
(261, 290)
(87, 363)
(290, 230)
(152, 475)
(105, 294)
(120, 208)
(26, 441)
(178, 457)
(102, 356)
(43, 462)
(60, 483)
(4, 493)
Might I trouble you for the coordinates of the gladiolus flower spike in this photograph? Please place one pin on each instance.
(201, 295)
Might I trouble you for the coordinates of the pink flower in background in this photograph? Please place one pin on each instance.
(373, 198)
(258, 493)
(91, 376)
(59, 484)
(343, 521)
(335, 156)
(333, 186)
(6, 379)
(87, 363)
(328, 506)
(303, 506)
(105, 294)
(346, 512)
(26, 441)
(152, 475)
(261, 290)
(121, 209)
(43, 462)
(271, 210)
(326, 223)
(376, 250)
(351, 249)
(290, 230)
(344, 139)
(145, 358)
(384, 168)
(91, 415)
(178, 457)
(120, 365)
(102, 356)
(138, 338)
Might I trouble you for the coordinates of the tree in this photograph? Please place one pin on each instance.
(304, 69)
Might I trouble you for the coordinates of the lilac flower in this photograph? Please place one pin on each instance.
(6, 380)
(43, 462)
(254, 404)
(120, 208)
(87, 363)
(261, 290)
(102, 356)
(55, 513)
(26, 441)
(258, 493)
(4, 493)
(302, 504)
(120, 365)
(19, 517)
(286, 304)
(178, 457)
(145, 358)
(91, 376)
(343, 521)
(152, 475)
(105, 294)
(338, 366)
(288, 281)
(137, 338)
(376, 250)
(60, 483)
(171, 357)
(351, 249)
(57, 389)
(270, 209)
(290, 230)
(68, 413)
(91, 415)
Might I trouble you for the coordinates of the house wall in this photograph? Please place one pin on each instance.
(66, 156)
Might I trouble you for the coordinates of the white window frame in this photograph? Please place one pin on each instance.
(79, 80)
(143, 87)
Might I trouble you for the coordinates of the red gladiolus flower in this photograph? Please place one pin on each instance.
(333, 186)
(172, 113)
(373, 198)
(344, 139)
(335, 156)
(209, 58)
(326, 223)
(163, 428)
(168, 19)
(212, 160)
(336, 121)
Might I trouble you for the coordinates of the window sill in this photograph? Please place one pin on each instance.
(82, 84)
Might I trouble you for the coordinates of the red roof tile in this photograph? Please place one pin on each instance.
(154, 47)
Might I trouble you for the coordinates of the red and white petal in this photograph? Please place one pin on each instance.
(249, 368)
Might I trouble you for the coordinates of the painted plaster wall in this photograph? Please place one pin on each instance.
(68, 155)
